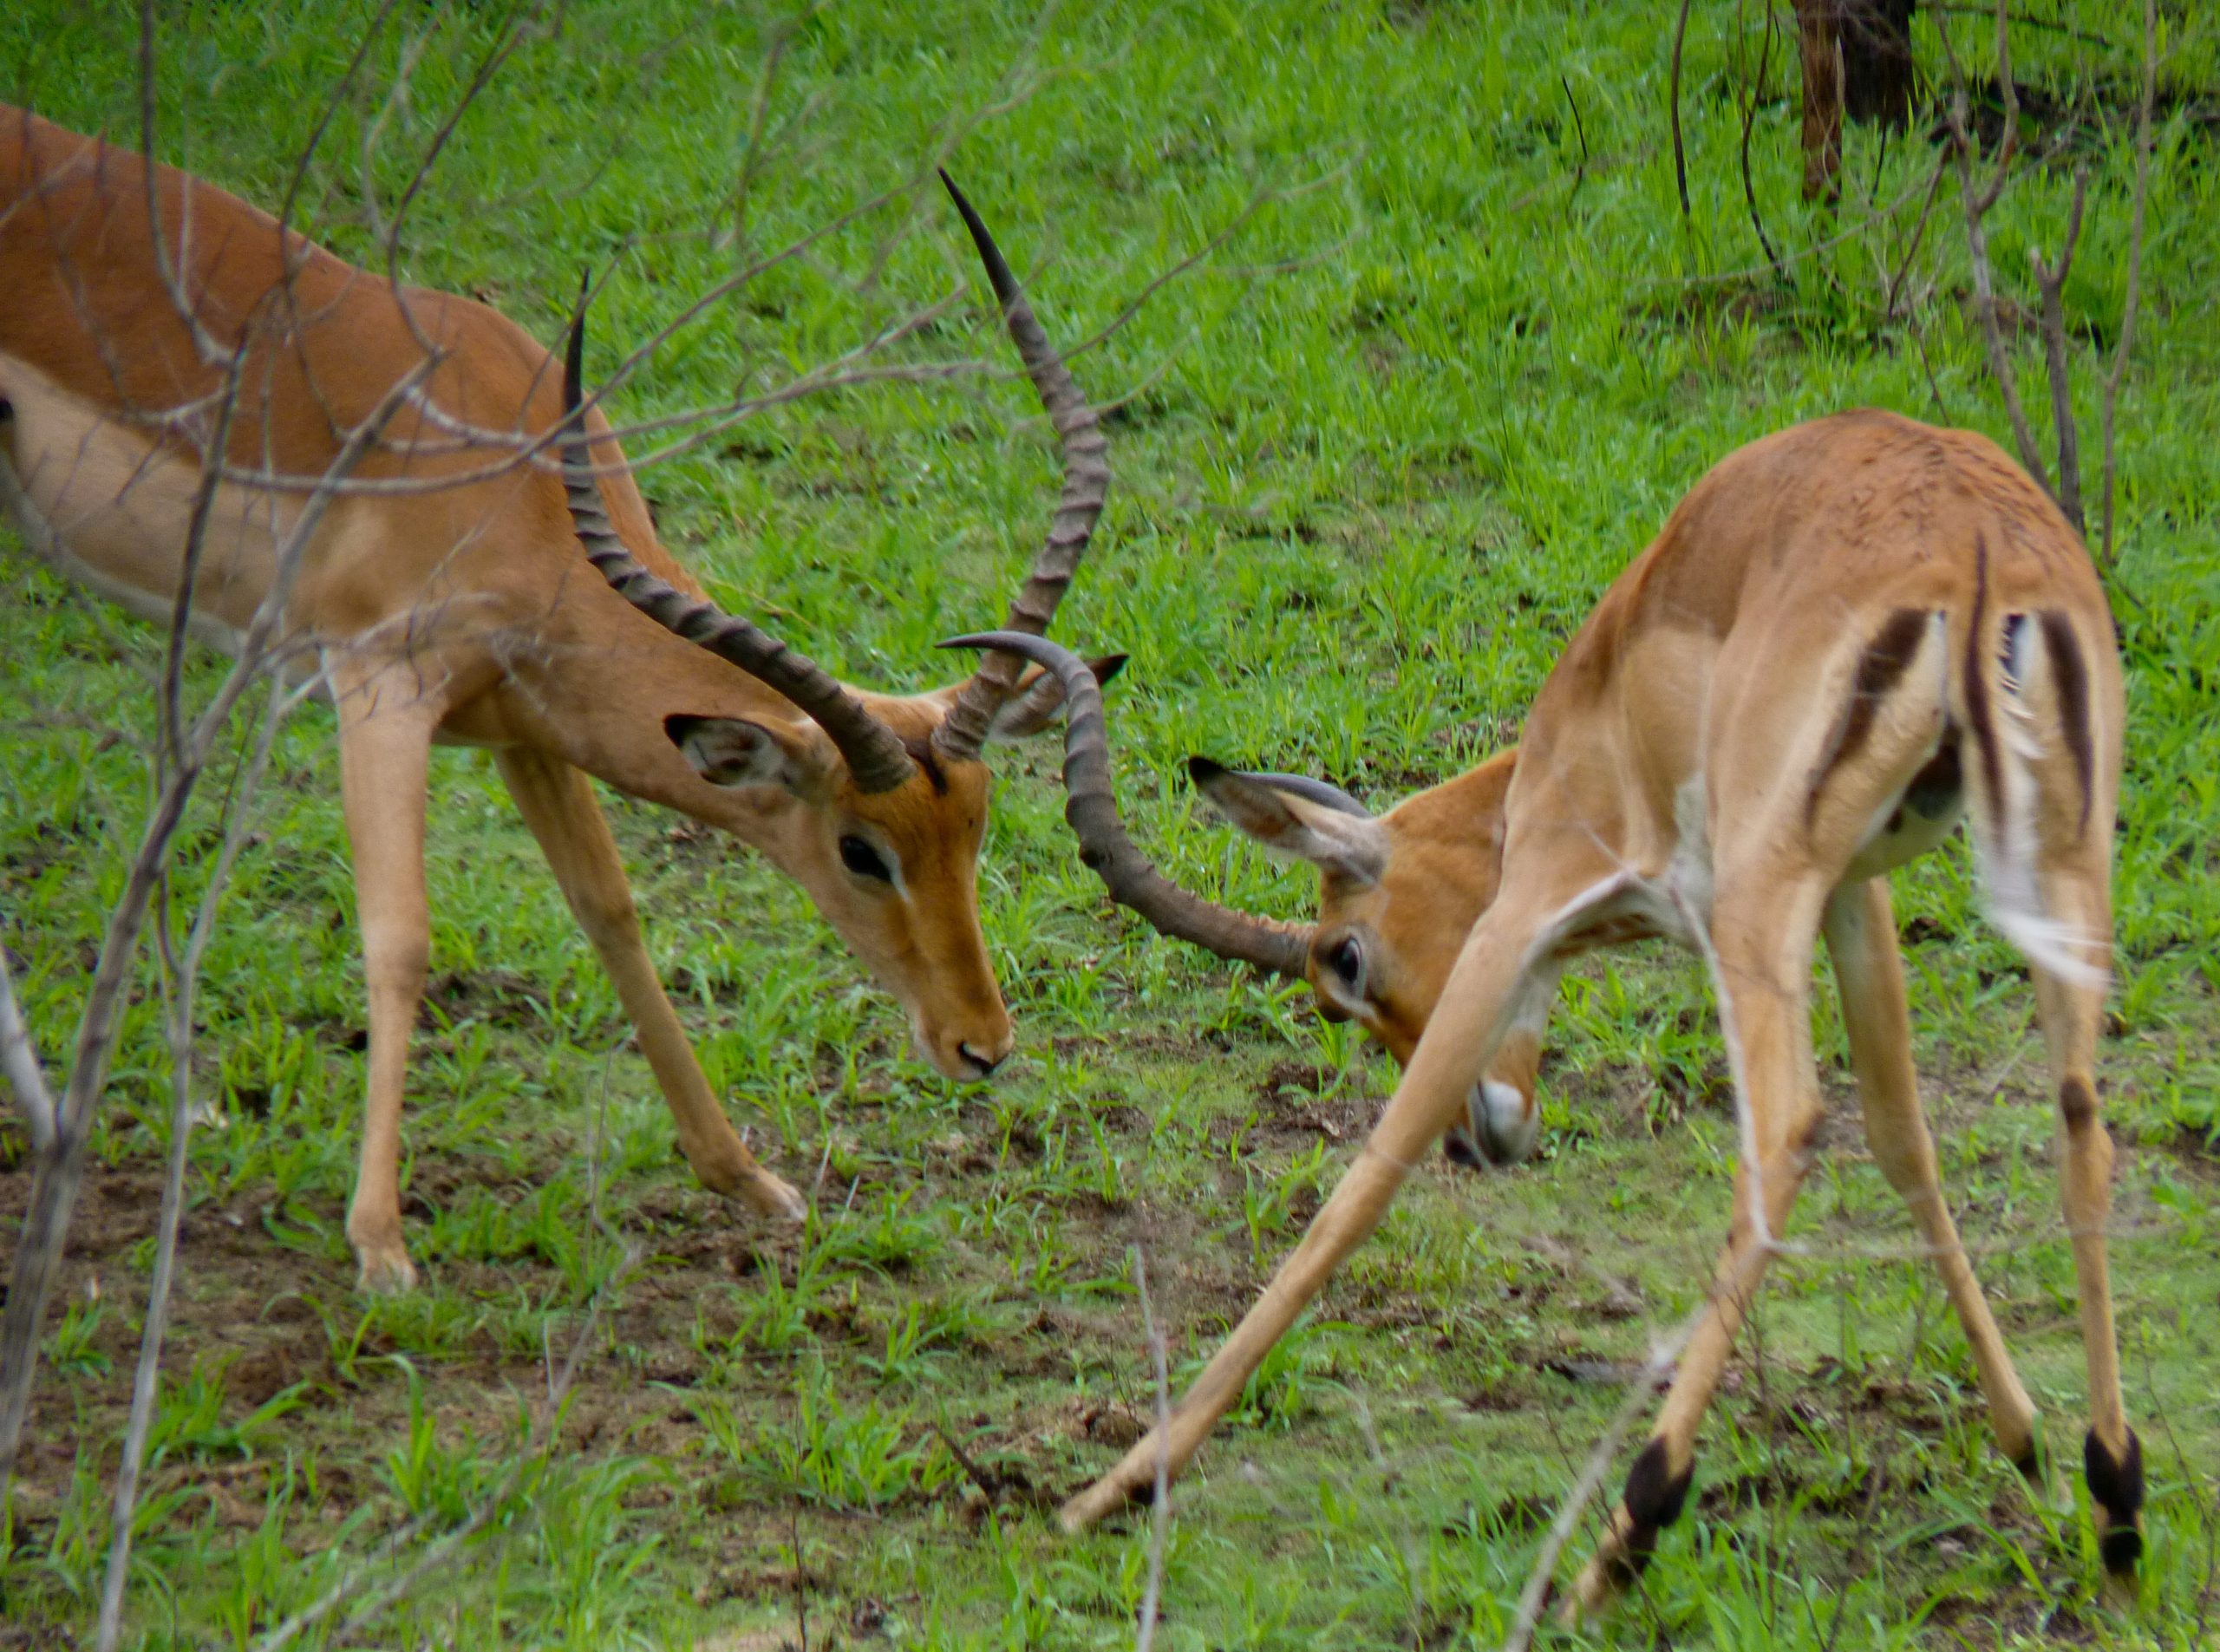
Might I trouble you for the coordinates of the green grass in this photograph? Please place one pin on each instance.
(1382, 452)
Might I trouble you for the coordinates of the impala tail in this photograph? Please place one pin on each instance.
(2021, 687)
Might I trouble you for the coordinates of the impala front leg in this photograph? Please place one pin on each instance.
(385, 745)
(1505, 960)
(557, 803)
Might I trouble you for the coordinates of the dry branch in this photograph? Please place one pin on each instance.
(2050, 283)
(2109, 406)
(1160, 1513)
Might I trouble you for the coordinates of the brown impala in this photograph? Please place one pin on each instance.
(442, 591)
(1847, 633)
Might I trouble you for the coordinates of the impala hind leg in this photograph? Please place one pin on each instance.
(2077, 895)
(557, 803)
(385, 746)
(1869, 973)
(1504, 961)
(1763, 927)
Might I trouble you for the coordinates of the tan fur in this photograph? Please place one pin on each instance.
(1688, 770)
(462, 613)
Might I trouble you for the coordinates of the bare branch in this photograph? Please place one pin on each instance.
(2109, 406)
(2050, 283)
(183, 971)
(1673, 103)
(19, 1060)
(1159, 1514)
(1749, 107)
(1977, 200)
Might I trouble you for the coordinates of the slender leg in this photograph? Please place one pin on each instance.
(385, 743)
(1862, 938)
(557, 802)
(1763, 927)
(2072, 1012)
(1502, 964)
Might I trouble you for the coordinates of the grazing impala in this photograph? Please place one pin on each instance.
(443, 591)
(1846, 633)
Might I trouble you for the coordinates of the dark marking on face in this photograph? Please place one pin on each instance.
(2071, 672)
(2076, 1105)
(1654, 1500)
(2116, 1486)
(1977, 710)
(1882, 665)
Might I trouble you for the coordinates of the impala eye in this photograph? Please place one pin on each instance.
(1346, 961)
(865, 861)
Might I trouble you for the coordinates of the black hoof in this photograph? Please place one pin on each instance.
(2116, 1494)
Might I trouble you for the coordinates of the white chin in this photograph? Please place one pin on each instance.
(1502, 1121)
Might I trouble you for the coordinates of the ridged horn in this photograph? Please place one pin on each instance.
(1091, 806)
(1087, 483)
(876, 757)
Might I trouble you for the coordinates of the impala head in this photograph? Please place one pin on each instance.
(877, 804)
(1397, 893)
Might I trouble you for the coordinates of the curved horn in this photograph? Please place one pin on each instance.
(1087, 481)
(1090, 805)
(876, 757)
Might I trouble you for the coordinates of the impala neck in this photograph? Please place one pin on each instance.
(598, 700)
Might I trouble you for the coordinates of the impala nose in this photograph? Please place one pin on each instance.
(980, 1066)
(1500, 1125)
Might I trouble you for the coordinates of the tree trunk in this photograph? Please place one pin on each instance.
(1856, 60)
(1818, 28)
(1877, 60)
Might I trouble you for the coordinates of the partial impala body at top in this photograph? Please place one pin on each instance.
(447, 594)
(1845, 635)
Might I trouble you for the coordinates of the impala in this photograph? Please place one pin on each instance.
(1846, 634)
(442, 592)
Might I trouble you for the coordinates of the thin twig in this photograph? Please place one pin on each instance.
(1580, 129)
(183, 970)
(1976, 201)
(2050, 284)
(1911, 248)
(19, 1060)
(2110, 403)
(1673, 103)
(1749, 107)
(1159, 1514)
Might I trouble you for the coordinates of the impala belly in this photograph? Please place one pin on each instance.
(112, 511)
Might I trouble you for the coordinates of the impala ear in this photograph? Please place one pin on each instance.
(731, 751)
(1306, 819)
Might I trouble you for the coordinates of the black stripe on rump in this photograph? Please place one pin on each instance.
(1977, 711)
(2071, 672)
(1882, 665)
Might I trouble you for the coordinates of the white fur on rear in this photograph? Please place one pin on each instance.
(2025, 712)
